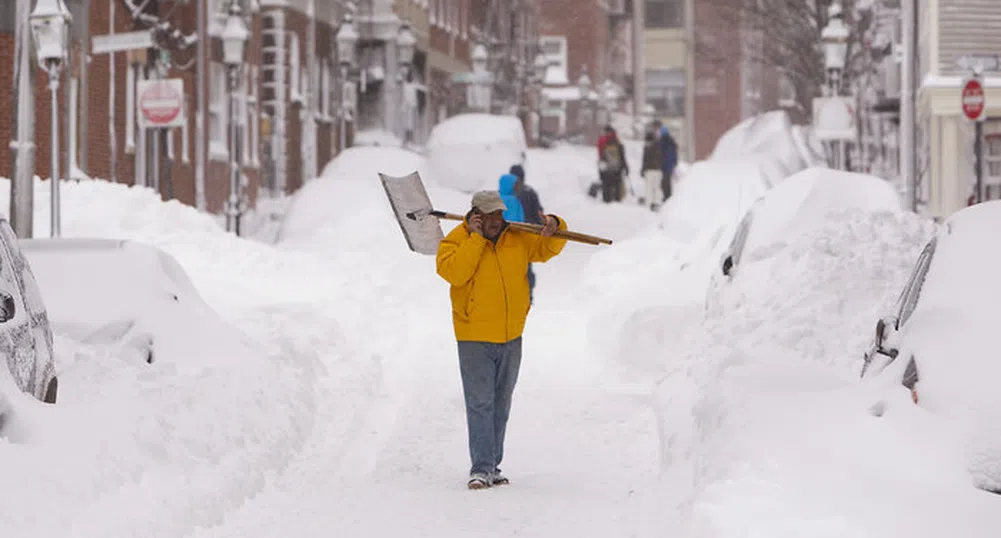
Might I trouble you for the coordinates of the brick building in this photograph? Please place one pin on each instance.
(574, 45)
(289, 93)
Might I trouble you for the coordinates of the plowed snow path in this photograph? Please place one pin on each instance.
(582, 453)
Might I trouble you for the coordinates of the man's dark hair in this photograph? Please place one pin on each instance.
(518, 171)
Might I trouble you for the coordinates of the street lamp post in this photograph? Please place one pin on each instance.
(481, 82)
(584, 87)
(234, 44)
(540, 66)
(835, 39)
(50, 26)
(405, 45)
(347, 39)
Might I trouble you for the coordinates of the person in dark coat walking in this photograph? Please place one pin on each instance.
(533, 208)
(669, 151)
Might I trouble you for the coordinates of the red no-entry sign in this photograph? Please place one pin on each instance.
(160, 103)
(973, 100)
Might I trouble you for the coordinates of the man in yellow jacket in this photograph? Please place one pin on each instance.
(486, 263)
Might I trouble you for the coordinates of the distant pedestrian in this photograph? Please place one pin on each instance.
(612, 166)
(505, 186)
(485, 262)
(669, 150)
(533, 208)
(652, 171)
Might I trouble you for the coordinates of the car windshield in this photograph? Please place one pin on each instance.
(908, 300)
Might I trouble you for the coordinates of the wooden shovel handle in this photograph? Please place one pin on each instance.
(536, 229)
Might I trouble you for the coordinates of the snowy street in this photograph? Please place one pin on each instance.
(311, 387)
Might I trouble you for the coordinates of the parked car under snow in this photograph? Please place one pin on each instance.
(25, 335)
(120, 293)
(799, 204)
(939, 340)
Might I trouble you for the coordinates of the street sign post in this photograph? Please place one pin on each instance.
(160, 103)
(979, 62)
(973, 101)
(102, 44)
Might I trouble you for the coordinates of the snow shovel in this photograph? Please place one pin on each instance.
(413, 210)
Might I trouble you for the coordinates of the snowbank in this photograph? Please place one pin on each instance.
(470, 152)
(764, 398)
(770, 140)
(136, 296)
(348, 186)
(175, 444)
(804, 200)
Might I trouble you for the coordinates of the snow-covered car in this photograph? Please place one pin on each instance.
(25, 335)
(800, 204)
(469, 152)
(129, 295)
(939, 340)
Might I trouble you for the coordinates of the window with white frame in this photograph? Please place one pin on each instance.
(992, 159)
(295, 76)
(554, 48)
(217, 112)
(787, 91)
(326, 89)
(665, 90)
(243, 117)
(130, 107)
(463, 19)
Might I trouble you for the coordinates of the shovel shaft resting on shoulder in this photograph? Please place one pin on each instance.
(534, 228)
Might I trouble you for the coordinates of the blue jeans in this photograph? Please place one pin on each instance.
(489, 373)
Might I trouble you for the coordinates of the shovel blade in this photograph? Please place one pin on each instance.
(407, 196)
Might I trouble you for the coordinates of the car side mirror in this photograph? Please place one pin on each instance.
(727, 265)
(7, 308)
(884, 328)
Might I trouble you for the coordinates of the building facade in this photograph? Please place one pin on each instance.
(591, 57)
(296, 105)
(947, 30)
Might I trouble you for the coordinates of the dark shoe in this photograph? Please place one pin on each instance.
(497, 479)
(479, 481)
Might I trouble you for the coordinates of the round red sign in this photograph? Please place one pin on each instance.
(160, 103)
(973, 99)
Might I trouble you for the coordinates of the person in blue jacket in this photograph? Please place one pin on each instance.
(514, 212)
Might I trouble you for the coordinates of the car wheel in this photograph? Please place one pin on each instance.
(51, 390)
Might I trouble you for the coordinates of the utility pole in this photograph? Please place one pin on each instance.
(907, 154)
(23, 145)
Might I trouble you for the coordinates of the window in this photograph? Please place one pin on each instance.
(254, 132)
(130, 107)
(555, 50)
(992, 160)
(74, 105)
(787, 92)
(665, 14)
(326, 90)
(912, 291)
(218, 148)
(295, 82)
(665, 90)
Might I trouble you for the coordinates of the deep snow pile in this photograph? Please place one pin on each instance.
(133, 446)
(771, 143)
(762, 409)
(803, 200)
(469, 152)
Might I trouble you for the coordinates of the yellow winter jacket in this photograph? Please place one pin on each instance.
(490, 296)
